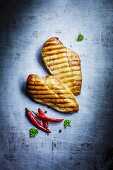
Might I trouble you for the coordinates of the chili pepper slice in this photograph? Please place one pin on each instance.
(35, 121)
(44, 117)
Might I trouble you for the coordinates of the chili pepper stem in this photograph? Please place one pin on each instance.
(35, 113)
(27, 110)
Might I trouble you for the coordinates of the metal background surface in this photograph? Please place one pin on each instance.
(24, 27)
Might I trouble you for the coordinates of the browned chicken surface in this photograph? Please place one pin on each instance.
(52, 92)
(63, 63)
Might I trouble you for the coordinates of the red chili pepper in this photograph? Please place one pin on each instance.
(45, 123)
(35, 121)
(44, 117)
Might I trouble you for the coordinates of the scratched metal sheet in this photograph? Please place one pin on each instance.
(24, 27)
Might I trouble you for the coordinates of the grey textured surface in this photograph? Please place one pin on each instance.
(24, 27)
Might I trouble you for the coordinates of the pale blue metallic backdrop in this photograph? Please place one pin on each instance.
(24, 27)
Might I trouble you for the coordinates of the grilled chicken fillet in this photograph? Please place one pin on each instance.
(52, 92)
(63, 63)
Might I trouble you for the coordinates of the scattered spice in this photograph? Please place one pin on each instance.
(80, 38)
(67, 123)
(60, 130)
(33, 132)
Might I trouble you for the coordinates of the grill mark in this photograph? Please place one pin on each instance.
(36, 87)
(68, 74)
(77, 77)
(46, 96)
(35, 84)
(53, 57)
(68, 70)
(72, 57)
(33, 92)
(58, 72)
(47, 104)
(42, 96)
(55, 61)
(56, 68)
(62, 72)
(76, 68)
(63, 67)
(75, 63)
(52, 49)
(50, 44)
(41, 91)
(67, 105)
(75, 87)
(57, 101)
(54, 64)
(69, 79)
(76, 92)
(38, 92)
(54, 45)
(56, 53)
(53, 52)
(75, 83)
(53, 39)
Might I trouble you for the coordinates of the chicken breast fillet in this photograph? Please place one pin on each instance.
(63, 63)
(51, 92)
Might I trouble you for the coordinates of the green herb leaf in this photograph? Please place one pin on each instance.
(67, 123)
(33, 132)
(80, 38)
